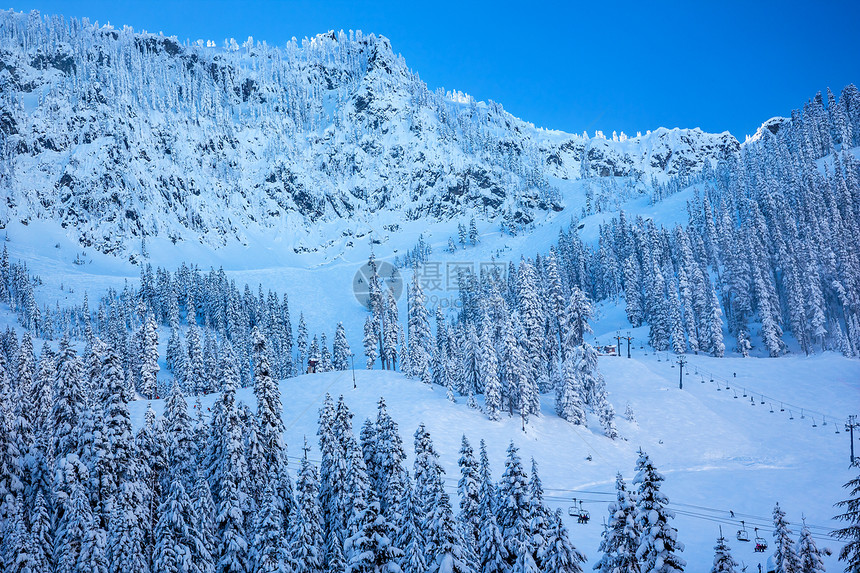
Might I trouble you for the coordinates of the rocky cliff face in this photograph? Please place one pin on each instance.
(119, 135)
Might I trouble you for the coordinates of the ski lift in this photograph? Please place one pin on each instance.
(745, 392)
(814, 425)
(771, 408)
(790, 415)
(742, 533)
(760, 542)
(584, 516)
(727, 386)
(781, 407)
(573, 510)
(736, 394)
(762, 399)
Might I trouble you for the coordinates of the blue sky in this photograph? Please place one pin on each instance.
(627, 66)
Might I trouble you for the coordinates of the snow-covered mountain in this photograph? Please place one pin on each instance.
(118, 135)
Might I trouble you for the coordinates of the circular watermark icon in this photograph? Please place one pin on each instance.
(389, 277)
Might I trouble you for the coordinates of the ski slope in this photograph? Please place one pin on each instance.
(718, 453)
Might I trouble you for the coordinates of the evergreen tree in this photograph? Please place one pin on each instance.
(723, 560)
(149, 359)
(173, 532)
(620, 539)
(658, 543)
(307, 533)
(389, 458)
(41, 542)
(468, 488)
(811, 560)
(411, 534)
(445, 547)
(568, 395)
(371, 342)
(540, 518)
(488, 366)
(269, 408)
(203, 529)
(420, 338)
(491, 552)
(72, 530)
(178, 433)
(373, 551)
(559, 554)
(341, 351)
(784, 556)
(230, 519)
(513, 510)
(850, 534)
(267, 555)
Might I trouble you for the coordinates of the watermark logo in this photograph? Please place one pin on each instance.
(389, 277)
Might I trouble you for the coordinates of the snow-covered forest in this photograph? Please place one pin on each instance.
(142, 426)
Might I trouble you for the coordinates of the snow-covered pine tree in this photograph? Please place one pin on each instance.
(325, 364)
(811, 558)
(468, 489)
(658, 542)
(559, 554)
(568, 394)
(723, 560)
(850, 533)
(269, 408)
(203, 528)
(428, 480)
(173, 551)
(540, 517)
(410, 536)
(117, 419)
(16, 548)
(371, 342)
(513, 508)
(196, 378)
(357, 501)
(68, 401)
(149, 358)
(420, 337)
(72, 530)
(231, 542)
(390, 330)
(785, 557)
(620, 540)
(41, 541)
(389, 458)
(267, 551)
(492, 554)
(178, 433)
(307, 529)
(341, 351)
(302, 342)
(445, 546)
(373, 551)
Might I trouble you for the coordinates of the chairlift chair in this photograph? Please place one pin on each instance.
(743, 535)
(584, 516)
(760, 542)
(573, 510)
